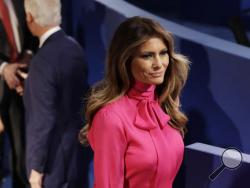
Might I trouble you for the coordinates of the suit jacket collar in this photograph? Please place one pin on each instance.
(47, 35)
(19, 9)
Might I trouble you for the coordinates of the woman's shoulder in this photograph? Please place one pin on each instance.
(112, 111)
(118, 104)
(109, 121)
(107, 124)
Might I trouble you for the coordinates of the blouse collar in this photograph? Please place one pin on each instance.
(142, 91)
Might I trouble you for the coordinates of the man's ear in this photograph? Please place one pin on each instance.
(29, 17)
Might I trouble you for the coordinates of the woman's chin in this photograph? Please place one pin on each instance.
(154, 81)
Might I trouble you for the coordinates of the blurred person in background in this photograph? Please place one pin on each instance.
(16, 46)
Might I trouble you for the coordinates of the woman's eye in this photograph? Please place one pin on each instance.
(146, 56)
(164, 53)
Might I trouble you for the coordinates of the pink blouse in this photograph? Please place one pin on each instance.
(134, 146)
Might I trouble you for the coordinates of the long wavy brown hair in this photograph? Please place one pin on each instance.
(129, 36)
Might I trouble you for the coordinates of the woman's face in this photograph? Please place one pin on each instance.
(151, 61)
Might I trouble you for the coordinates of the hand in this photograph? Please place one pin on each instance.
(9, 74)
(35, 179)
(22, 74)
(19, 89)
(1, 126)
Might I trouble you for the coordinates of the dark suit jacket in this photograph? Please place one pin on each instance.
(53, 99)
(27, 42)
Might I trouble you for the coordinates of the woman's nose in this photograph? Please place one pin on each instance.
(157, 63)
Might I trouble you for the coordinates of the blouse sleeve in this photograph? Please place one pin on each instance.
(107, 139)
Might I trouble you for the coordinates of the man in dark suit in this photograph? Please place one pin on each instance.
(53, 99)
(15, 40)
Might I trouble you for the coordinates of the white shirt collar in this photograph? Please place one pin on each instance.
(47, 34)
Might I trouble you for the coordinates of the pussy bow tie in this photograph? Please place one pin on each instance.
(150, 115)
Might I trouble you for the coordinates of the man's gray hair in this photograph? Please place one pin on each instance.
(45, 12)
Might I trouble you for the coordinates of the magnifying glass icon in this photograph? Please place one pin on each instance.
(231, 159)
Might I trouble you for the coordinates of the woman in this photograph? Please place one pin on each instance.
(135, 126)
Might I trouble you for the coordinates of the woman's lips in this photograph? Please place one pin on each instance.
(156, 74)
